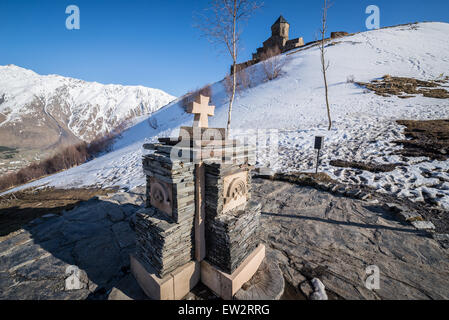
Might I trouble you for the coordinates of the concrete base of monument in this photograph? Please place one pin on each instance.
(226, 285)
(174, 286)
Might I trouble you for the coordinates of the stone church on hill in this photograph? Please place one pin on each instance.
(279, 39)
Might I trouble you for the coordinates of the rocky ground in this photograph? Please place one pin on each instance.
(96, 236)
(19, 208)
(310, 234)
(316, 234)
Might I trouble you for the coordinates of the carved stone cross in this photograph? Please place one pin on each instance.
(202, 110)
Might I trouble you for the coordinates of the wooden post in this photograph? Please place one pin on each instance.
(318, 146)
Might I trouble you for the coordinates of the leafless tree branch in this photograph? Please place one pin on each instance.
(324, 63)
(221, 25)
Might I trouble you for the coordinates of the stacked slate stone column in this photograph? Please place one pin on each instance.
(200, 220)
(165, 229)
(232, 219)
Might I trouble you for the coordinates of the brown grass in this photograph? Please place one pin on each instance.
(66, 158)
(243, 81)
(228, 85)
(371, 167)
(303, 178)
(272, 63)
(407, 87)
(425, 139)
(189, 97)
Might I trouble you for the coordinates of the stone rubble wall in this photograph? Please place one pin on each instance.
(166, 242)
(230, 236)
(162, 245)
(180, 176)
(214, 174)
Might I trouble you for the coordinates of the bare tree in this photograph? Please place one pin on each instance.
(273, 62)
(242, 82)
(324, 63)
(221, 25)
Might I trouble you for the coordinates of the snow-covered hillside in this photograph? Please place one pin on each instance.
(293, 105)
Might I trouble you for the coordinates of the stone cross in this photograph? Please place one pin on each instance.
(202, 110)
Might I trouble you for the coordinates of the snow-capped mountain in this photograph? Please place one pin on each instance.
(364, 124)
(43, 112)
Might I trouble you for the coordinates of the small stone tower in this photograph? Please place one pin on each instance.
(279, 42)
(280, 28)
(279, 34)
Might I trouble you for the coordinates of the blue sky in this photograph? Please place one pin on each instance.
(154, 43)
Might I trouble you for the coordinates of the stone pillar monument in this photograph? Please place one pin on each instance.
(200, 223)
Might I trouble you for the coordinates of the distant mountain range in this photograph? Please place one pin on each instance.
(39, 113)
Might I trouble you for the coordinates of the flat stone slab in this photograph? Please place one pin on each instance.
(403, 213)
(267, 284)
(34, 262)
(335, 239)
(174, 286)
(127, 289)
(423, 225)
(227, 285)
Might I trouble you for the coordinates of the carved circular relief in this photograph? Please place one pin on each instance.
(237, 189)
(159, 193)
